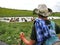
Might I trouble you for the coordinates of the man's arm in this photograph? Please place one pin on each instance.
(33, 37)
(31, 42)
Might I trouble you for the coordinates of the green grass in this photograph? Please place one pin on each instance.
(56, 14)
(5, 12)
(13, 12)
(9, 32)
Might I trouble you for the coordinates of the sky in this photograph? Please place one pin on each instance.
(30, 4)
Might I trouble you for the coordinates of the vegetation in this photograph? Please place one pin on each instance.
(9, 32)
(5, 12)
(56, 14)
(13, 12)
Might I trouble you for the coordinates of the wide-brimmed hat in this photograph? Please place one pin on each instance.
(43, 10)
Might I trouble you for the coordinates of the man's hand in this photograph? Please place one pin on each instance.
(22, 35)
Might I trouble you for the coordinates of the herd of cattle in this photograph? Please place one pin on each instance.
(16, 19)
(21, 19)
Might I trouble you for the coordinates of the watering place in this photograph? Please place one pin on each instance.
(22, 19)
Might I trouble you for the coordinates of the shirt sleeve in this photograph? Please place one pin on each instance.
(33, 34)
(57, 29)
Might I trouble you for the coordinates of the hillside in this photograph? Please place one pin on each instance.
(14, 12)
(56, 14)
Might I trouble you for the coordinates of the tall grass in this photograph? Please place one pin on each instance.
(9, 32)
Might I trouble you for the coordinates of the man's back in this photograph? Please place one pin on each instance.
(40, 28)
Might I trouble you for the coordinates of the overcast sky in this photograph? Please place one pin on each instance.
(30, 4)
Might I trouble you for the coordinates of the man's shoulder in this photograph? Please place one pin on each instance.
(38, 19)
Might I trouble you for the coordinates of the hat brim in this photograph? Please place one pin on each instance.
(36, 11)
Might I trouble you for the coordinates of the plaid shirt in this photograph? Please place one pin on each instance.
(42, 31)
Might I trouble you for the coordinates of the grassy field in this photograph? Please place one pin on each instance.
(13, 12)
(9, 32)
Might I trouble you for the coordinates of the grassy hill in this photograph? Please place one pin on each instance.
(56, 14)
(14, 12)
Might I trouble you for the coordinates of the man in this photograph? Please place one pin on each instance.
(43, 32)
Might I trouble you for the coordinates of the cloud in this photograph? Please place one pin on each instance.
(30, 4)
(57, 7)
